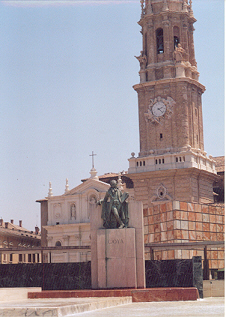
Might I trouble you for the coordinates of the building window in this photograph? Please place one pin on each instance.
(141, 163)
(160, 161)
(11, 257)
(34, 258)
(20, 258)
(58, 244)
(161, 136)
(29, 257)
(180, 159)
(159, 41)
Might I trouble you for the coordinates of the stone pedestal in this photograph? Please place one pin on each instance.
(117, 255)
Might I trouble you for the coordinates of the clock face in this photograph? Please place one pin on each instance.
(158, 109)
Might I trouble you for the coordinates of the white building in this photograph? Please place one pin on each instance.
(66, 220)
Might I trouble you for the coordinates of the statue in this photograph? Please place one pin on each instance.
(179, 54)
(142, 59)
(73, 211)
(114, 208)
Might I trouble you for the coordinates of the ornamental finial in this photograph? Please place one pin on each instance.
(185, 6)
(165, 6)
(149, 8)
(142, 8)
(67, 186)
(190, 9)
(50, 193)
(120, 185)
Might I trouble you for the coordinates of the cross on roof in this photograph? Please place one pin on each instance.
(93, 158)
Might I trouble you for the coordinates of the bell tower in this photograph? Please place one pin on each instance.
(172, 162)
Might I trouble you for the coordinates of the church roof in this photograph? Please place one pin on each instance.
(90, 183)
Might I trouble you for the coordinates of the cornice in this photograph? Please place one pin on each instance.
(164, 14)
(173, 173)
(169, 81)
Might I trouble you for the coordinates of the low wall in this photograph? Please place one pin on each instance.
(11, 294)
(175, 273)
(213, 288)
(48, 276)
(75, 276)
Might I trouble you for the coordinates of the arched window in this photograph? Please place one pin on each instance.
(159, 41)
(58, 244)
(145, 44)
(176, 36)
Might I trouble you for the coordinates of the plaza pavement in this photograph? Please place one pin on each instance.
(121, 307)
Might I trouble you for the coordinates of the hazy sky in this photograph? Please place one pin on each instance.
(66, 74)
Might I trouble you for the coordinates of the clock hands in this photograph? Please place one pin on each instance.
(161, 109)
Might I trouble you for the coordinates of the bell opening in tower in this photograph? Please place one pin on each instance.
(160, 43)
(176, 41)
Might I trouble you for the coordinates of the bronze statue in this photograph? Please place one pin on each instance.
(114, 208)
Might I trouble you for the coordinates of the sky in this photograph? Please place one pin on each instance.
(67, 69)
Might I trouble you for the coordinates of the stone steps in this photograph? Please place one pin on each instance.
(59, 307)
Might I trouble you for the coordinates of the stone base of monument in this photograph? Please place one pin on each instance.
(138, 295)
(116, 256)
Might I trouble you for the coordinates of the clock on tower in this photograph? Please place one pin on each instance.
(170, 109)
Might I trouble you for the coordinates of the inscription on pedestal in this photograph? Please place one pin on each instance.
(116, 241)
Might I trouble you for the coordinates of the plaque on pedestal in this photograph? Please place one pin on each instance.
(116, 256)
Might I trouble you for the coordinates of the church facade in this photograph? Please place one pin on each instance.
(65, 220)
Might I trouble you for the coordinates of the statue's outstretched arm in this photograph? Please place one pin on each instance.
(99, 202)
